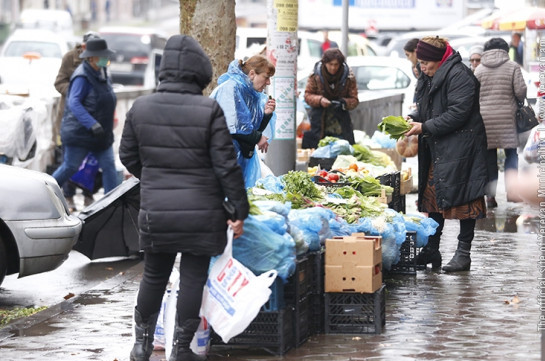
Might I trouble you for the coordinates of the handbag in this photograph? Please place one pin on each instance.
(525, 116)
(233, 295)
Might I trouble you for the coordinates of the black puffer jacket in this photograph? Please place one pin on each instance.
(453, 135)
(176, 141)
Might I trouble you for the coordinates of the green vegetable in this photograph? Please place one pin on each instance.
(366, 155)
(326, 141)
(395, 127)
(298, 182)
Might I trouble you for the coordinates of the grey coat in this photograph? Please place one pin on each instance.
(501, 81)
(177, 142)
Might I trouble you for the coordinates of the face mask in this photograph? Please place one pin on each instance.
(102, 62)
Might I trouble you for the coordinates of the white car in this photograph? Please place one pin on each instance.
(30, 59)
(377, 76)
(36, 230)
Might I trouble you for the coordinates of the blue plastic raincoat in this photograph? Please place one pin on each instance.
(244, 109)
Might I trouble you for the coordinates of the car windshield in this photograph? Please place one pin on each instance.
(45, 49)
(380, 77)
(128, 44)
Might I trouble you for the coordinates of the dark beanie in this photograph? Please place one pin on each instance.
(428, 52)
(496, 43)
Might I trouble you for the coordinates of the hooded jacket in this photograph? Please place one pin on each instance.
(453, 135)
(501, 82)
(177, 142)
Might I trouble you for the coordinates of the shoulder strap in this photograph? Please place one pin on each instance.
(519, 102)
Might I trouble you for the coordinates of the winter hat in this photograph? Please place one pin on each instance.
(496, 43)
(476, 49)
(90, 35)
(96, 47)
(428, 52)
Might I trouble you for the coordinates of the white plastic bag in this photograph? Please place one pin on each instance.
(233, 295)
(536, 136)
(200, 344)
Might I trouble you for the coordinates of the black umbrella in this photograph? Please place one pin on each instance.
(110, 225)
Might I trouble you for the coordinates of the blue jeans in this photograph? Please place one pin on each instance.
(72, 158)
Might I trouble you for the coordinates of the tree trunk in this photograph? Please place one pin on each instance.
(212, 24)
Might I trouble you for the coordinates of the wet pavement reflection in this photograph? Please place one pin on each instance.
(488, 313)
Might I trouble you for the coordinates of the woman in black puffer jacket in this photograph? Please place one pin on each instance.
(177, 143)
(451, 149)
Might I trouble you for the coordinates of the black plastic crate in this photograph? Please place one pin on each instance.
(317, 307)
(301, 321)
(394, 180)
(324, 163)
(407, 259)
(355, 313)
(316, 302)
(299, 285)
(270, 331)
(276, 300)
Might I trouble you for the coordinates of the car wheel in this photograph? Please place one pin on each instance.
(3, 261)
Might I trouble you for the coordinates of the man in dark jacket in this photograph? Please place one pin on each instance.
(177, 143)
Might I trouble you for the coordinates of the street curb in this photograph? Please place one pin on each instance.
(17, 326)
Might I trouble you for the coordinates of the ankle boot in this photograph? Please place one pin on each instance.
(182, 339)
(461, 260)
(143, 331)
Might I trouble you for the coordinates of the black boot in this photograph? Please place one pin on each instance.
(143, 331)
(461, 260)
(430, 252)
(182, 339)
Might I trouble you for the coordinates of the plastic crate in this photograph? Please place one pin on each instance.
(276, 300)
(355, 313)
(316, 297)
(324, 163)
(301, 321)
(407, 258)
(299, 284)
(394, 180)
(271, 331)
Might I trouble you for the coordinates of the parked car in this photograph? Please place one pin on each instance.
(138, 53)
(376, 76)
(36, 230)
(31, 58)
(57, 21)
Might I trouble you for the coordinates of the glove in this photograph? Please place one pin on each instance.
(97, 129)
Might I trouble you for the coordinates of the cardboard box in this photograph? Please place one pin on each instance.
(406, 186)
(350, 277)
(357, 249)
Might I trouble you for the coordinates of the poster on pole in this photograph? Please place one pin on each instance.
(282, 45)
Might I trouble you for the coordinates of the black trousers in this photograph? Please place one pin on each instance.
(157, 270)
(467, 230)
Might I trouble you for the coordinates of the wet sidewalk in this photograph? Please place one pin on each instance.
(488, 313)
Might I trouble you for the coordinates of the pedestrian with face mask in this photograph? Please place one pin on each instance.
(87, 124)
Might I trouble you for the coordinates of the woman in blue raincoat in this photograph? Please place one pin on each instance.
(248, 111)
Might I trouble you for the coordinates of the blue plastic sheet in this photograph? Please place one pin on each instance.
(261, 249)
(333, 149)
(312, 224)
(271, 183)
(425, 228)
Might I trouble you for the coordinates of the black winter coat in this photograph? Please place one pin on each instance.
(177, 142)
(453, 135)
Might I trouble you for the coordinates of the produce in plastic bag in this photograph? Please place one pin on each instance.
(423, 226)
(314, 223)
(261, 249)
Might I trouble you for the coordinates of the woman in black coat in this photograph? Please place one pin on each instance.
(177, 143)
(451, 148)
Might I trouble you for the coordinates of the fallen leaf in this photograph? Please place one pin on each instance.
(514, 301)
(70, 295)
(109, 269)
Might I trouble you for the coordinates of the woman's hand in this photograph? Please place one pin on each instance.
(237, 226)
(416, 129)
(270, 106)
(263, 144)
(324, 102)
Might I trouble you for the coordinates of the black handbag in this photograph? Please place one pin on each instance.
(525, 116)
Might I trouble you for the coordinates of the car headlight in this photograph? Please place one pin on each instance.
(55, 196)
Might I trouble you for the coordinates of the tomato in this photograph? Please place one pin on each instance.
(323, 173)
(333, 177)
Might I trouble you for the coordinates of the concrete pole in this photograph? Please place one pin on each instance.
(344, 29)
(282, 23)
